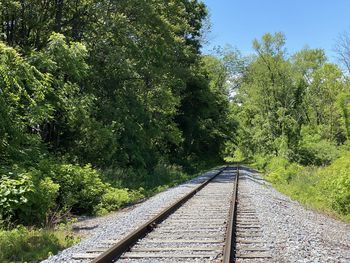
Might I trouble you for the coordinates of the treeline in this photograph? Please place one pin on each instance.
(294, 112)
(97, 96)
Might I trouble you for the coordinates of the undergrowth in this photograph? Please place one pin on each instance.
(23, 244)
(324, 188)
(77, 190)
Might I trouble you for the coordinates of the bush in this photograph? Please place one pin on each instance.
(42, 194)
(136, 195)
(280, 170)
(81, 188)
(170, 175)
(336, 181)
(313, 150)
(13, 194)
(161, 174)
(37, 210)
(24, 245)
(260, 162)
(115, 198)
(324, 188)
(27, 197)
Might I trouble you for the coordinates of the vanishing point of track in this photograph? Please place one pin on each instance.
(200, 227)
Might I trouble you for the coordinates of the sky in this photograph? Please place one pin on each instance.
(312, 23)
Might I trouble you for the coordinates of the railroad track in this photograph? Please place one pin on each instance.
(200, 227)
(250, 244)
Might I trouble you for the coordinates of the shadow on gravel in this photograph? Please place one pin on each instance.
(223, 180)
(255, 179)
(251, 170)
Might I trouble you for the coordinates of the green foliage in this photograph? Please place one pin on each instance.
(326, 189)
(260, 161)
(280, 170)
(238, 156)
(143, 181)
(63, 188)
(81, 188)
(268, 99)
(114, 100)
(99, 109)
(20, 194)
(30, 245)
(13, 194)
(22, 105)
(109, 88)
(204, 116)
(294, 111)
(169, 175)
(314, 150)
(103, 103)
(337, 182)
(294, 107)
(115, 198)
(34, 212)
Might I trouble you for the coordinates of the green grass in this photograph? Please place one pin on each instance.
(325, 189)
(32, 245)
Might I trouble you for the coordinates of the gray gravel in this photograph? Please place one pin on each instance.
(296, 234)
(116, 226)
(199, 219)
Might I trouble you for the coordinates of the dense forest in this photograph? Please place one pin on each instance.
(103, 103)
(99, 91)
(294, 121)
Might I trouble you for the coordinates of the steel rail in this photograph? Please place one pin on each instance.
(230, 239)
(124, 245)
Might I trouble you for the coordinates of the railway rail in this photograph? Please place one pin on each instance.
(206, 225)
(250, 244)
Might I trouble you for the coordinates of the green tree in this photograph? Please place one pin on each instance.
(23, 89)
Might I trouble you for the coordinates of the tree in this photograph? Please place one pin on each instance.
(204, 113)
(295, 107)
(269, 97)
(342, 48)
(119, 73)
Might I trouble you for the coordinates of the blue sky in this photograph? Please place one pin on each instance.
(316, 23)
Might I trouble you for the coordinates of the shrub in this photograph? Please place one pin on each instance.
(136, 195)
(13, 194)
(27, 197)
(280, 170)
(276, 169)
(32, 245)
(40, 201)
(81, 188)
(165, 174)
(341, 193)
(161, 174)
(313, 150)
(115, 198)
(42, 194)
(323, 188)
(260, 162)
(336, 181)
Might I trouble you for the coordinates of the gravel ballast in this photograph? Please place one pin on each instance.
(294, 233)
(117, 225)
